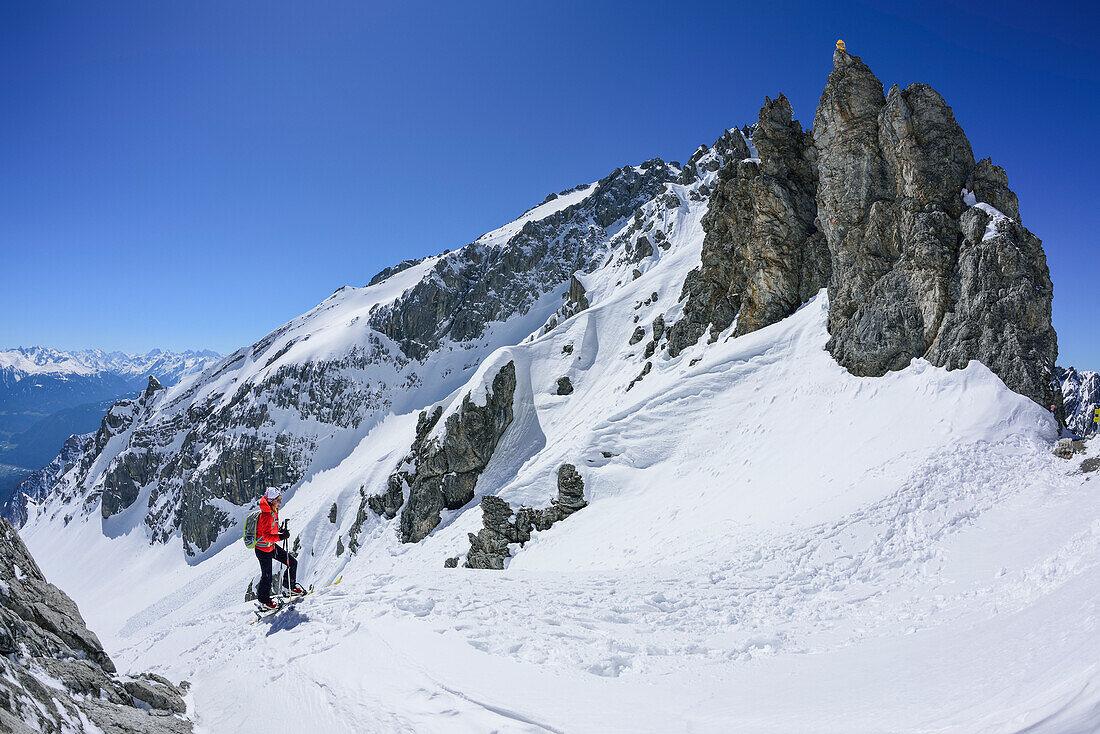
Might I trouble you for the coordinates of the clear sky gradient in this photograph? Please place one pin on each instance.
(193, 174)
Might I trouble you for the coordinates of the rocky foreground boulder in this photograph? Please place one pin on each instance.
(921, 247)
(55, 675)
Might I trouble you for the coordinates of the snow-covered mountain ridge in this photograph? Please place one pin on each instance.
(43, 380)
(189, 460)
(780, 530)
(1081, 398)
(23, 361)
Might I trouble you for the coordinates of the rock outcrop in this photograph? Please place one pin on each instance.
(441, 471)
(55, 674)
(501, 526)
(1065, 448)
(917, 269)
(762, 254)
(921, 247)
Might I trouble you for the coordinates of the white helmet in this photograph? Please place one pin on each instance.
(273, 493)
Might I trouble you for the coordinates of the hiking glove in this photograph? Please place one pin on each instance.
(284, 534)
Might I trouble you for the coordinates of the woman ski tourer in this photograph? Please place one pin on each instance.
(268, 536)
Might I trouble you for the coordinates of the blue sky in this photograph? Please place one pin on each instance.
(189, 175)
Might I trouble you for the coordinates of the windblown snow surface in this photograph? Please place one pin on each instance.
(771, 545)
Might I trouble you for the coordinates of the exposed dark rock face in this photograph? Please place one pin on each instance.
(361, 515)
(872, 204)
(441, 472)
(125, 479)
(42, 633)
(394, 270)
(914, 272)
(570, 492)
(483, 282)
(565, 386)
(489, 547)
(762, 253)
(576, 298)
(658, 332)
(1081, 396)
(332, 513)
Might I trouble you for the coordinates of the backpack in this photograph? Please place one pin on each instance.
(250, 523)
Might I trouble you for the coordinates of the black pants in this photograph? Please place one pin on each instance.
(263, 591)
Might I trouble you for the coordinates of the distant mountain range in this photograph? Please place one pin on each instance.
(47, 394)
(1080, 398)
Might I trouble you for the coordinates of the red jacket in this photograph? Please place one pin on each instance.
(267, 527)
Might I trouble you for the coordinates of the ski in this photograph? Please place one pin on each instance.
(292, 596)
(262, 613)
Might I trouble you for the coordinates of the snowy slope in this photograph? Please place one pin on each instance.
(553, 205)
(771, 544)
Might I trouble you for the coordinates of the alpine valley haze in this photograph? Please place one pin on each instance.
(759, 441)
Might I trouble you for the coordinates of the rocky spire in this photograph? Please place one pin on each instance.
(922, 248)
(762, 254)
(916, 270)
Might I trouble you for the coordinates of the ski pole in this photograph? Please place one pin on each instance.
(286, 549)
